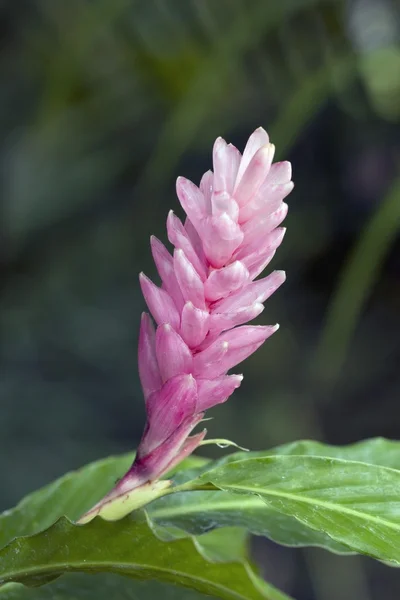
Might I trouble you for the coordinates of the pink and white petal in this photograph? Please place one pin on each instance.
(192, 200)
(206, 187)
(151, 465)
(263, 224)
(194, 325)
(223, 321)
(149, 373)
(266, 200)
(191, 285)
(255, 174)
(266, 247)
(206, 363)
(260, 264)
(222, 282)
(165, 268)
(237, 345)
(188, 446)
(160, 303)
(257, 139)
(215, 391)
(257, 291)
(167, 409)
(179, 237)
(221, 236)
(197, 246)
(173, 354)
(280, 173)
(226, 160)
(222, 202)
(261, 245)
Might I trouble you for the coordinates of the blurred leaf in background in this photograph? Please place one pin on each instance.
(103, 104)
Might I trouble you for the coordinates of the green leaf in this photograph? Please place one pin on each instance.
(70, 496)
(100, 587)
(200, 511)
(375, 451)
(354, 503)
(129, 547)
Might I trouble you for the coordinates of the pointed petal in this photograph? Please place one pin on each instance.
(197, 246)
(257, 139)
(221, 236)
(206, 362)
(188, 446)
(179, 237)
(159, 302)
(191, 199)
(257, 291)
(149, 373)
(280, 173)
(216, 391)
(255, 174)
(233, 347)
(149, 466)
(167, 409)
(226, 160)
(222, 202)
(261, 248)
(173, 355)
(206, 187)
(194, 325)
(262, 245)
(267, 199)
(222, 282)
(165, 268)
(222, 321)
(259, 264)
(263, 224)
(191, 285)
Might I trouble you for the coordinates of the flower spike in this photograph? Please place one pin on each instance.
(208, 292)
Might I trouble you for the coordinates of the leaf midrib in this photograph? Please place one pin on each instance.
(339, 508)
(182, 510)
(109, 566)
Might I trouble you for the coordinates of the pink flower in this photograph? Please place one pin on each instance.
(208, 291)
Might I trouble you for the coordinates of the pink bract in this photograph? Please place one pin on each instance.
(207, 293)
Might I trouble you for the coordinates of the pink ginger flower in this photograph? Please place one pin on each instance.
(208, 290)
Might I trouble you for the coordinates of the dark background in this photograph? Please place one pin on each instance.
(102, 104)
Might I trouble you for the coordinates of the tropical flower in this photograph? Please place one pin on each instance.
(208, 291)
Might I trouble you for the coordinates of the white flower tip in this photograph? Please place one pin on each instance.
(286, 166)
(219, 143)
(276, 327)
(190, 379)
(225, 217)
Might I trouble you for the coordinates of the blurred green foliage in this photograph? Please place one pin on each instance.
(103, 103)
